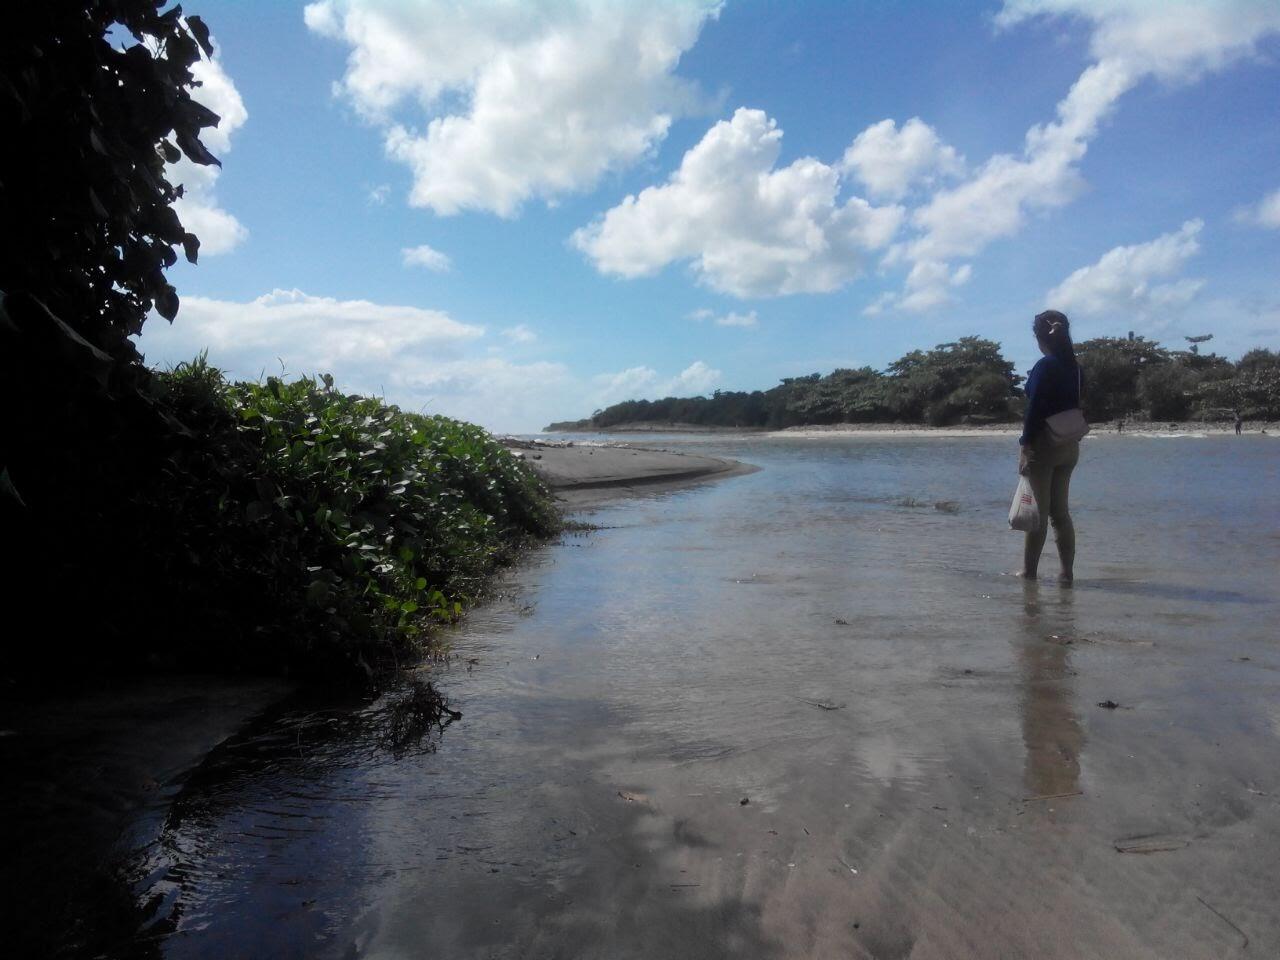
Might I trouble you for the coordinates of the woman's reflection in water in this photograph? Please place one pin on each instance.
(1050, 728)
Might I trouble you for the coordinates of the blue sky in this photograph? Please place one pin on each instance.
(603, 200)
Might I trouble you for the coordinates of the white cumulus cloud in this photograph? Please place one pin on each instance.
(1124, 280)
(730, 319)
(645, 383)
(1130, 40)
(218, 230)
(748, 319)
(520, 333)
(426, 257)
(929, 285)
(310, 334)
(1265, 213)
(748, 227)
(1171, 39)
(995, 202)
(491, 102)
(491, 391)
(419, 359)
(694, 380)
(634, 383)
(889, 160)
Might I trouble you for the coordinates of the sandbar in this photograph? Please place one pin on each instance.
(581, 474)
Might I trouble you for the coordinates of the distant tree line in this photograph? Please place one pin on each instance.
(970, 381)
(1137, 377)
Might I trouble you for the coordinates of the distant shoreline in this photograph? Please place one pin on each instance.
(1106, 428)
(647, 426)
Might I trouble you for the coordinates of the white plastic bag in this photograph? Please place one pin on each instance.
(1023, 513)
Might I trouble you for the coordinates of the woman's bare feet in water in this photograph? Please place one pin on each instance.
(1023, 575)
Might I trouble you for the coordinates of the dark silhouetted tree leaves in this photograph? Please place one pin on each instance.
(94, 102)
(201, 33)
(86, 223)
(167, 302)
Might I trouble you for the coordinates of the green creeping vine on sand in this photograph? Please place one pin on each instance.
(364, 525)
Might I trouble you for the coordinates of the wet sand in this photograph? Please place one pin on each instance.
(928, 765)
(928, 769)
(90, 777)
(94, 776)
(956, 799)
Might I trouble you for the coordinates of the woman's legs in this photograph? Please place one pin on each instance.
(1050, 479)
(1064, 531)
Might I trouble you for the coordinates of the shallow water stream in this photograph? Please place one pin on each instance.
(806, 713)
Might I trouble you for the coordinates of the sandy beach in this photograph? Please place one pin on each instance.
(1141, 429)
(585, 473)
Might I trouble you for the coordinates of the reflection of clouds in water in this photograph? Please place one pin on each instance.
(886, 761)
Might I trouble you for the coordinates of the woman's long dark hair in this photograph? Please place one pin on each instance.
(1053, 329)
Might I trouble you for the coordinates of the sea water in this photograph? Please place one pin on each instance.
(803, 712)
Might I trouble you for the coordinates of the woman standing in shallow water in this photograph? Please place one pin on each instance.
(1053, 386)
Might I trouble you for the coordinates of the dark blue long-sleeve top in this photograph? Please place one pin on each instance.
(1052, 386)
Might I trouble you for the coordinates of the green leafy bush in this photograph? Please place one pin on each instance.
(1166, 390)
(1253, 389)
(356, 525)
(279, 527)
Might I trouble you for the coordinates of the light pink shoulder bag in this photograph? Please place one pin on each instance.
(1069, 425)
